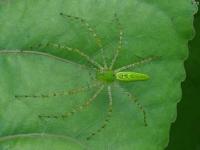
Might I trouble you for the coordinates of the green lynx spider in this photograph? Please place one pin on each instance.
(104, 73)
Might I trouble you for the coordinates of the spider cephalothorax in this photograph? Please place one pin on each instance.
(107, 76)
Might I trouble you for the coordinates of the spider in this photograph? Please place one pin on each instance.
(106, 74)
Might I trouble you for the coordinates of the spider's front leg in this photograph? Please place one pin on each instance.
(79, 108)
(59, 93)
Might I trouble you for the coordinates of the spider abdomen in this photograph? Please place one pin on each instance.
(131, 76)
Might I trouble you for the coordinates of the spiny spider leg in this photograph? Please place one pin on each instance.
(132, 98)
(143, 61)
(26, 52)
(121, 33)
(60, 93)
(108, 116)
(77, 109)
(79, 52)
(93, 33)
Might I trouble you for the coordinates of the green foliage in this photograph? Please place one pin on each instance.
(33, 105)
(185, 132)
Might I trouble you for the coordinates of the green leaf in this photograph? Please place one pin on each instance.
(43, 85)
(188, 109)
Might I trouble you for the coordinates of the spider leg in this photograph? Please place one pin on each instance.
(60, 93)
(77, 109)
(27, 52)
(91, 31)
(121, 33)
(143, 61)
(75, 50)
(140, 107)
(107, 118)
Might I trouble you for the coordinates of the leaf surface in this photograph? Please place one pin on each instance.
(188, 110)
(31, 79)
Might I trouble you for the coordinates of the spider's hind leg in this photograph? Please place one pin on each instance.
(139, 105)
(137, 63)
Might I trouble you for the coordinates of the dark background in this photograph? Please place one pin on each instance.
(185, 132)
